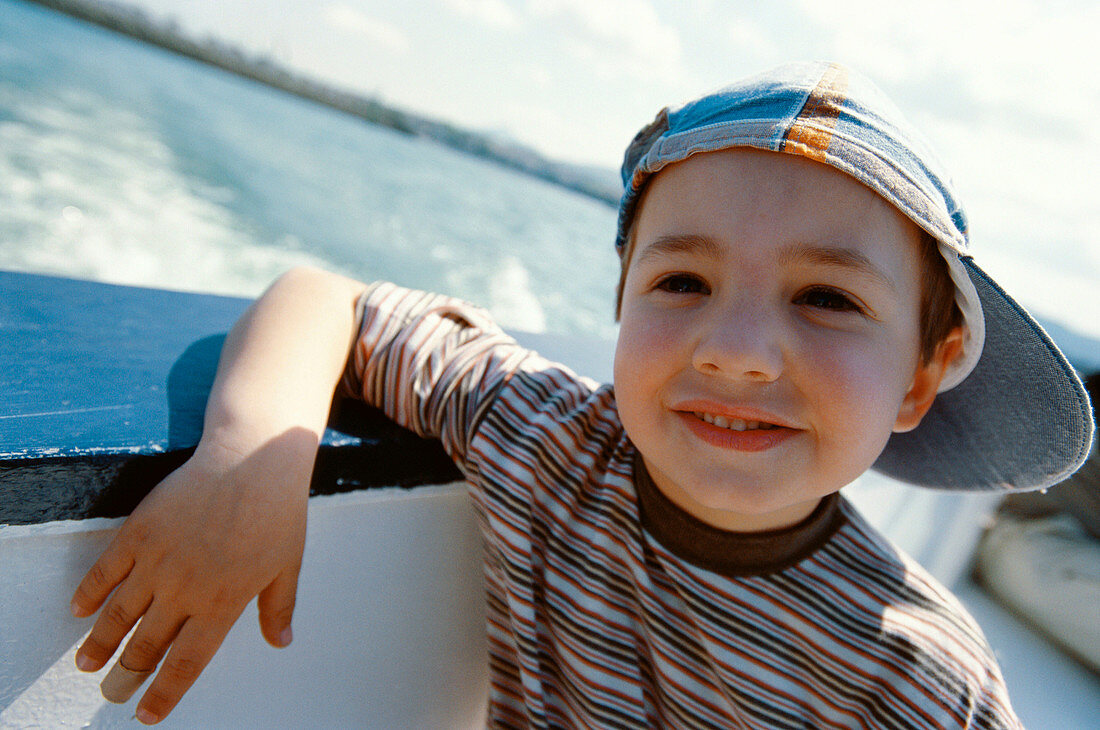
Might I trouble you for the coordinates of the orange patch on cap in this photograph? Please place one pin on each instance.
(812, 130)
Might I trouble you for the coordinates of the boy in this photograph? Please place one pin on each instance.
(673, 551)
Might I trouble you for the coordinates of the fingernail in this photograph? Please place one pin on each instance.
(145, 717)
(76, 610)
(286, 637)
(85, 664)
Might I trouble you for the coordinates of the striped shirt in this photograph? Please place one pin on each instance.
(609, 607)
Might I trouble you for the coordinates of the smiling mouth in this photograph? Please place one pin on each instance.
(734, 424)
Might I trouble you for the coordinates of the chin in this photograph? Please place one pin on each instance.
(755, 502)
(750, 501)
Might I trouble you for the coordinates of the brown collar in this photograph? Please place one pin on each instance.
(732, 554)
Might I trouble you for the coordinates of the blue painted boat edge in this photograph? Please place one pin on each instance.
(103, 389)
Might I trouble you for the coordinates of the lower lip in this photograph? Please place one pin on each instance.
(759, 439)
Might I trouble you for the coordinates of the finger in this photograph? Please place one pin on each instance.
(114, 622)
(192, 650)
(143, 652)
(120, 683)
(276, 606)
(151, 639)
(107, 572)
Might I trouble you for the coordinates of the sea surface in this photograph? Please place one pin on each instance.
(121, 162)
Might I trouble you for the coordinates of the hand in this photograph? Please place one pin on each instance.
(227, 525)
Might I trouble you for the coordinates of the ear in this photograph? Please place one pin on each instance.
(926, 382)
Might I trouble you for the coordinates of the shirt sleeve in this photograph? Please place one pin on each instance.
(431, 363)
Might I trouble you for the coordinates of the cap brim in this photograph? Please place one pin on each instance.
(1020, 420)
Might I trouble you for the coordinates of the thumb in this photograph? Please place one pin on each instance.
(276, 605)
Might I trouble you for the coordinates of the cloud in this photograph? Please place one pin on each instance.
(492, 13)
(617, 37)
(1012, 39)
(378, 32)
(538, 76)
(750, 39)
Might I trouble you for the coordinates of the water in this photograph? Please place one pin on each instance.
(127, 164)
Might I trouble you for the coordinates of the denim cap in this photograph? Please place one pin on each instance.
(1011, 413)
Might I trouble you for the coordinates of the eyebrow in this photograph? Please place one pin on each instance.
(836, 257)
(678, 244)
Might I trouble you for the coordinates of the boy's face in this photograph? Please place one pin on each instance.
(769, 335)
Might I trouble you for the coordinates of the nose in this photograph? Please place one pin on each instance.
(740, 343)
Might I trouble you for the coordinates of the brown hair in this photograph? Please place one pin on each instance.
(938, 312)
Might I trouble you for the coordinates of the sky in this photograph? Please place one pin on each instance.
(1006, 91)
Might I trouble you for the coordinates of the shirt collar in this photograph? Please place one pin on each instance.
(732, 554)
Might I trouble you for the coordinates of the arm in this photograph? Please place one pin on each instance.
(230, 523)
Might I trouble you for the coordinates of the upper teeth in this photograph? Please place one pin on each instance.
(735, 424)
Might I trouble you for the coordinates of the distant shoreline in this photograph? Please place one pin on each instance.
(136, 23)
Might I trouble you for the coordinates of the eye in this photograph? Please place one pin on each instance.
(823, 297)
(683, 284)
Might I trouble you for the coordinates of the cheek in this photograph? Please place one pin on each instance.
(859, 382)
(647, 340)
(643, 358)
(630, 391)
(631, 368)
